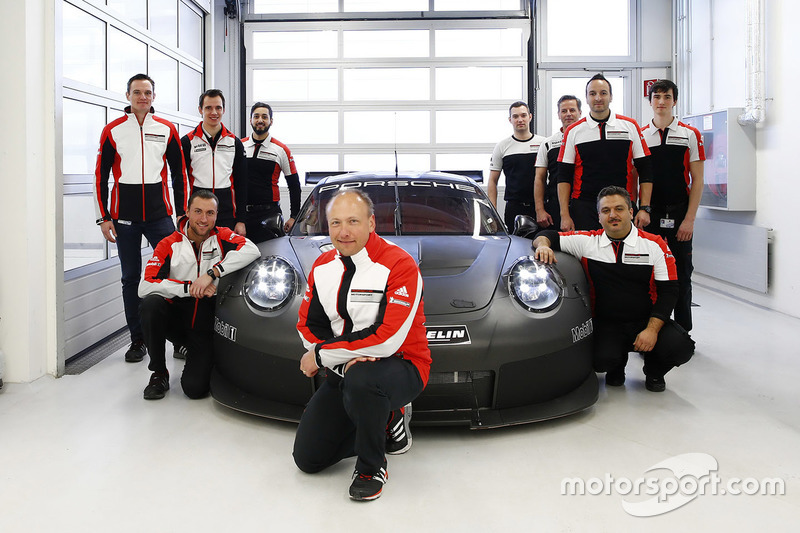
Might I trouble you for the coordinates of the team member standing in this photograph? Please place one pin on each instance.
(515, 156)
(597, 151)
(215, 161)
(545, 190)
(267, 157)
(136, 150)
(677, 153)
(634, 284)
(362, 319)
(178, 291)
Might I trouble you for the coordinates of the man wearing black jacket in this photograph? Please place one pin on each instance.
(634, 282)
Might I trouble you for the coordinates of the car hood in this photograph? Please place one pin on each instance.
(460, 273)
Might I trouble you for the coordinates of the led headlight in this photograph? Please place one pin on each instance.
(270, 283)
(535, 286)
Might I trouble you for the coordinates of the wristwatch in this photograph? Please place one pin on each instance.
(646, 208)
(210, 272)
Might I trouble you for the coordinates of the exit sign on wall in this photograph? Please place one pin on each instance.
(647, 85)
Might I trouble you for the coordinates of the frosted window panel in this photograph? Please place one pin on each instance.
(83, 124)
(164, 21)
(387, 127)
(294, 44)
(127, 56)
(295, 84)
(191, 87)
(83, 241)
(190, 37)
(307, 127)
(315, 163)
(396, 43)
(479, 43)
(164, 71)
(472, 126)
(577, 87)
(386, 162)
(572, 28)
(184, 129)
(445, 162)
(477, 5)
(131, 10)
(479, 83)
(295, 6)
(387, 84)
(385, 5)
(84, 48)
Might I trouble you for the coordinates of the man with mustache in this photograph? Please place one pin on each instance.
(632, 274)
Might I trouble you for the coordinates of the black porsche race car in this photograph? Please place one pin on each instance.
(510, 337)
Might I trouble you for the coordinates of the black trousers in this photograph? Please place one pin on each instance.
(584, 214)
(613, 341)
(347, 416)
(682, 251)
(183, 321)
(513, 209)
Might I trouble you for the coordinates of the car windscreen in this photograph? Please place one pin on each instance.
(409, 207)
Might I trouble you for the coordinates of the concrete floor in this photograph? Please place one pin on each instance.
(85, 453)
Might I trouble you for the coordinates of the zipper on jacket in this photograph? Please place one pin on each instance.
(141, 140)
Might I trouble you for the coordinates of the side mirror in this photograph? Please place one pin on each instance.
(274, 224)
(525, 226)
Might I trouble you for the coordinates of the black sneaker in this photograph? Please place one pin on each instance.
(179, 351)
(655, 384)
(366, 487)
(157, 388)
(616, 377)
(136, 352)
(398, 432)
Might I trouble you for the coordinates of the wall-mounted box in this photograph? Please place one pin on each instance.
(730, 167)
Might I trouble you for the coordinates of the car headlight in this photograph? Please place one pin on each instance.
(536, 286)
(270, 283)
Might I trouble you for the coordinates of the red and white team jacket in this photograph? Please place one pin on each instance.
(368, 304)
(137, 158)
(220, 169)
(175, 263)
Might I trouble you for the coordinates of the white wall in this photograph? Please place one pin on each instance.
(31, 283)
(718, 80)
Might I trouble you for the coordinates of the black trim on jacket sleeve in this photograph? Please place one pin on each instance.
(666, 297)
(293, 182)
(566, 172)
(644, 166)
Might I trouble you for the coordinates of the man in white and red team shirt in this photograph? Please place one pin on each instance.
(515, 157)
(677, 153)
(634, 287)
(545, 190)
(362, 320)
(599, 150)
(178, 293)
(215, 161)
(267, 157)
(136, 150)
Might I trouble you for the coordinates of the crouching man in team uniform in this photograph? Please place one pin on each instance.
(635, 286)
(362, 319)
(178, 292)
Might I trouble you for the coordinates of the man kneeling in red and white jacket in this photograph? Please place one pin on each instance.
(178, 290)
